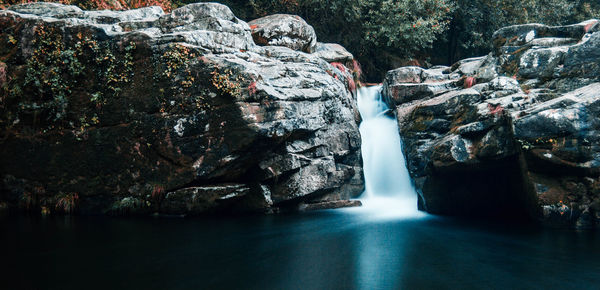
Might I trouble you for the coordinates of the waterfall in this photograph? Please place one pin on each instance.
(388, 188)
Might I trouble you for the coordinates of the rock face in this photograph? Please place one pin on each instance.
(512, 134)
(141, 112)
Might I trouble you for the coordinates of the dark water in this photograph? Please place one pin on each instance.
(321, 250)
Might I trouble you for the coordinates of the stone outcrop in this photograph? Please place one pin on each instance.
(284, 30)
(511, 134)
(138, 112)
(333, 52)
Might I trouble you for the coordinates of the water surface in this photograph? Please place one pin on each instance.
(334, 249)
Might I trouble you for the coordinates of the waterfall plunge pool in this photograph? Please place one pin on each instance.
(331, 249)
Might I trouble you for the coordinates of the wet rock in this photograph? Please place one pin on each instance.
(330, 205)
(284, 30)
(196, 200)
(582, 60)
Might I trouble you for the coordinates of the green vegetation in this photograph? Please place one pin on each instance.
(474, 22)
(224, 84)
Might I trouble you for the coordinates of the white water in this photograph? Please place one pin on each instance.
(388, 189)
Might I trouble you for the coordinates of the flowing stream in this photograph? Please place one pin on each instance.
(388, 189)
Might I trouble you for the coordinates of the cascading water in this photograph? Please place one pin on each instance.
(388, 189)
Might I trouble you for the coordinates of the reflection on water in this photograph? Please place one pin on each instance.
(321, 250)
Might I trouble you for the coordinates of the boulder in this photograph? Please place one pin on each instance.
(333, 52)
(284, 30)
(410, 83)
(140, 112)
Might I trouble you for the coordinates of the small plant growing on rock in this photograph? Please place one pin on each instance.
(252, 88)
(469, 82)
(67, 202)
(174, 71)
(339, 66)
(45, 211)
(158, 191)
(350, 75)
(496, 110)
(27, 200)
(49, 69)
(223, 82)
(525, 145)
(176, 57)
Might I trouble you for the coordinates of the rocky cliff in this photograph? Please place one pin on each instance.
(138, 112)
(512, 134)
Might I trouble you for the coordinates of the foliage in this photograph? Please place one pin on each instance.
(158, 192)
(474, 22)
(393, 24)
(49, 71)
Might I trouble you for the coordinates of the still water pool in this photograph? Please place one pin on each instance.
(334, 249)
